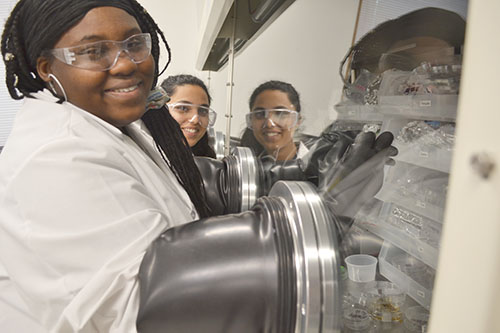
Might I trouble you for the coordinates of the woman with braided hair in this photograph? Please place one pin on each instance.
(87, 179)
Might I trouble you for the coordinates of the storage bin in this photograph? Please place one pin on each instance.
(408, 273)
(378, 222)
(360, 112)
(413, 95)
(416, 188)
(428, 107)
(420, 144)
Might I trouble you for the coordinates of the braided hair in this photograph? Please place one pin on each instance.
(170, 84)
(35, 26)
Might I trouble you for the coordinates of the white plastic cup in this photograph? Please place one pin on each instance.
(361, 267)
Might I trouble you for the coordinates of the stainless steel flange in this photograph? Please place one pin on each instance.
(316, 258)
(216, 139)
(248, 176)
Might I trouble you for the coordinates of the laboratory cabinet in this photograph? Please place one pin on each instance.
(436, 211)
(406, 215)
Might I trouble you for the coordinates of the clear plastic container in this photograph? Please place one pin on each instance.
(435, 107)
(357, 319)
(416, 319)
(416, 95)
(361, 267)
(419, 189)
(351, 111)
(412, 224)
(422, 143)
(355, 315)
(407, 272)
(384, 302)
(420, 238)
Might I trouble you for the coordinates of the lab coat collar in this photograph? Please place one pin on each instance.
(46, 95)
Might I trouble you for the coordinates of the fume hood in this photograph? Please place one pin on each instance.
(243, 19)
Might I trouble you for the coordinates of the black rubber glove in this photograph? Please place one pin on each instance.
(358, 175)
(327, 149)
(212, 173)
(271, 171)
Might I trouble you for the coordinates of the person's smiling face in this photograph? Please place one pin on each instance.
(190, 123)
(271, 135)
(117, 95)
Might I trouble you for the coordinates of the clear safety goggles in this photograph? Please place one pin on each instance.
(103, 55)
(272, 117)
(193, 113)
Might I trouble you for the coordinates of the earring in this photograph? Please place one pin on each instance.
(53, 77)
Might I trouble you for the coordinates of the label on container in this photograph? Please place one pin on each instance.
(425, 103)
(424, 154)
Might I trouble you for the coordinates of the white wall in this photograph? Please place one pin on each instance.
(179, 21)
(304, 46)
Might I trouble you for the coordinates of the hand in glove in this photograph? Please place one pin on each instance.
(331, 146)
(271, 171)
(326, 150)
(346, 183)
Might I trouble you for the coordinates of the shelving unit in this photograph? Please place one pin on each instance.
(408, 211)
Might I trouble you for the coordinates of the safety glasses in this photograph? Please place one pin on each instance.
(103, 55)
(193, 113)
(272, 117)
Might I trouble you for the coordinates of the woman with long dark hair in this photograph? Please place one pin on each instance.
(189, 105)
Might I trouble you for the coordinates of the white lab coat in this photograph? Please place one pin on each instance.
(302, 150)
(80, 203)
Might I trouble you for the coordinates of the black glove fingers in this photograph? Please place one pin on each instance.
(365, 139)
(383, 141)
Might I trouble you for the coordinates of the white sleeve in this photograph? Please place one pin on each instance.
(85, 222)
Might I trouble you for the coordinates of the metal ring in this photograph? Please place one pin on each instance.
(247, 165)
(316, 258)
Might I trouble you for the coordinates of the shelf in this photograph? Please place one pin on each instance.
(426, 157)
(427, 107)
(358, 112)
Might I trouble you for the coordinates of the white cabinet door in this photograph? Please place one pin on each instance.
(467, 290)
